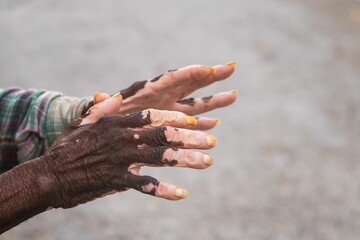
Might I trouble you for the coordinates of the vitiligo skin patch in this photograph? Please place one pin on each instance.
(147, 138)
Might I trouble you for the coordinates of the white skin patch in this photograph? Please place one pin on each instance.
(149, 187)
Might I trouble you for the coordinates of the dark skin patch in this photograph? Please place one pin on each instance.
(182, 96)
(133, 89)
(171, 163)
(132, 120)
(206, 99)
(156, 78)
(187, 101)
(152, 192)
(86, 108)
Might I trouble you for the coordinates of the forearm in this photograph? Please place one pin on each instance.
(26, 190)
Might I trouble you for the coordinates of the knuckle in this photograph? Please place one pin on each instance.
(170, 156)
(172, 134)
(106, 119)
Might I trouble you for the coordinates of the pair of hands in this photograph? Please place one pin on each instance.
(103, 152)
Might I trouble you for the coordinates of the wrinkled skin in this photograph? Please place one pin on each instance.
(102, 153)
(106, 156)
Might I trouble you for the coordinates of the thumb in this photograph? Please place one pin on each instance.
(108, 106)
(99, 97)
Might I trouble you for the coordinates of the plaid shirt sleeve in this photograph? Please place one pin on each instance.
(31, 120)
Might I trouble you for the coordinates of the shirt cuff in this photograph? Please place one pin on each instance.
(61, 111)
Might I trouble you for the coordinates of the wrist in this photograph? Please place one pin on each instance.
(46, 181)
(27, 190)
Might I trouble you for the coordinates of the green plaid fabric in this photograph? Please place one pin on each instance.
(31, 120)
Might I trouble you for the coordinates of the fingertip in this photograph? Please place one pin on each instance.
(110, 105)
(204, 123)
(208, 160)
(171, 192)
(181, 193)
(224, 71)
(232, 64)
(190, 120)
(225, 98)
(100, 97)
(211, 140)
(234, 92)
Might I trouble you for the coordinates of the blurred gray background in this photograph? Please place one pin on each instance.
(287, 163)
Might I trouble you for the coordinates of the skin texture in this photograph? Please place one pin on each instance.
(170, 91)
(102, 154)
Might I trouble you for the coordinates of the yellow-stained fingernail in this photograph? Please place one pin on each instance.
(218, 121)
(191, 120)
(211, 140)
(116, 95)
(181, 193)
(208, 160)
(233, 64)
(95, 95)
(235, 92)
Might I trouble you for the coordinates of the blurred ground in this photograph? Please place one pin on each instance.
(289, 150)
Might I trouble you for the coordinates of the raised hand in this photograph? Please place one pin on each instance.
(170, 91)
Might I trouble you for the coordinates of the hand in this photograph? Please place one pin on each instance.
(168, 92)
(103, 153)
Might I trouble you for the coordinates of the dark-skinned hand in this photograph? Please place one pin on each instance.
(103, 154)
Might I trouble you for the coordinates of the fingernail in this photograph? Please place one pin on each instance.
(235, 92)
(208, 160)
(191, 120)
(211, 140)
(181, 193)
(116, 95)
(217, 121)
(95, 95)
(233, 64)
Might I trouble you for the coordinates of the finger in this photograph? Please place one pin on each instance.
(194, 76)
(170, 191)
(173, 157)
(155, 118)
(169, 118)
(152, 186)
(169, 136)
(224, 71)
(199, 75)
(186, 158)
(204, 123)
(188, 78)
(106, 107)
(99, 97)
(193, 106)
